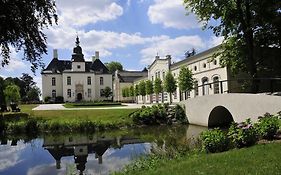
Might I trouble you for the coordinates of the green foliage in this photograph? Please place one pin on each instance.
(148, 87)
(242, 134)
(159, 114)
(113, 66)
(185, 79)
(47, 99)
(158, 88)
(214, 140)
(136, 91)
(107, 92)
(247, 28)
(180, 114)
(12, 94)
(142, 88)
(267, 126)
(59, 99)
(170, 84)
(33, 94)
(22, 28)
(126, 92)
(132, 91)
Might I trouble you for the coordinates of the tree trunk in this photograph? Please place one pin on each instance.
(248, 36)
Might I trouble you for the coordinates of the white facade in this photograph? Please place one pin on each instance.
(205, 70)
(77, 79)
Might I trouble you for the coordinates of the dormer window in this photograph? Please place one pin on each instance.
(78, 66)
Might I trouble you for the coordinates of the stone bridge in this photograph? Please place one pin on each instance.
(222, 109)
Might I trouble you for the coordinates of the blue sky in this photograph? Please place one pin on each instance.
(129, 31)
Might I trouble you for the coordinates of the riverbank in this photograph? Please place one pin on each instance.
(259, 159)
(65, 120)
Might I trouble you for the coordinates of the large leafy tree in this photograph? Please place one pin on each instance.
(21, 25)
(185, 80)
(33, 94)
(12, 94)
(170, 84)
(2, 87)
(157, 88)
(142, 89)
(132, 91)
(113, 66)
(247, 26)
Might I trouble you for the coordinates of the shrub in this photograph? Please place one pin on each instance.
(242, 134)
(59, 99)
(214, 140)
(180, 114)
(47, 99)
(31, 125)
(267, 126)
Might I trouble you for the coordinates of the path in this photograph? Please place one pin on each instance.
(43, 107)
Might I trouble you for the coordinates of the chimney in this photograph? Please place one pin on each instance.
(157, 57)
(55, 53)
(97, 55)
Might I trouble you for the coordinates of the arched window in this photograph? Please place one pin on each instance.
(54, 94)
(216, 85)
(195, 88)
(205, 87)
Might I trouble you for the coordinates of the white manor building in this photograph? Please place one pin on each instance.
(210, 78)
(75, 79)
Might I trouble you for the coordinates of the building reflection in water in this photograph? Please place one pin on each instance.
(81, 146)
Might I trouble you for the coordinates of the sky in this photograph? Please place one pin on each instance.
(131, 32)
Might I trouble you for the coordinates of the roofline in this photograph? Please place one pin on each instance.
(196, 57)
(165, 59)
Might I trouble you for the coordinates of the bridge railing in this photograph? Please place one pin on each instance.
(242, 85)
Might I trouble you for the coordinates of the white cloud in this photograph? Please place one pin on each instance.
(171, 13)
(103, 41)
(214, 41)
(15, 63)
(171, 46)
(83, 12)
(10, 156)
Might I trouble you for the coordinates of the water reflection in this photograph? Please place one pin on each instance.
(81, 146)
(98, 153)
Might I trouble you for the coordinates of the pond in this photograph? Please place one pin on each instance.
(97, 153)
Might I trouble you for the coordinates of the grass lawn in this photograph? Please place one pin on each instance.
(260, 159)
(113, 116)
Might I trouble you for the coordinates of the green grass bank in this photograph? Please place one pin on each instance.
(262, 159)
(65, 120)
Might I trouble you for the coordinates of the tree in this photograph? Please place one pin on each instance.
(170, 85)
(149, 88)
(21, 24)
(123, 92)
(132, 91)
(142, 90)
(247, 26)
(185, 80)
(27, 83)
(107, 92)
(136, 90)
(2, 87)
(33, 94)
(113, 66)
(12, 94)
(158, 88)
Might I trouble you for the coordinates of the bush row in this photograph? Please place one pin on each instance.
(241, 134)
(159, 114)
(35, 125)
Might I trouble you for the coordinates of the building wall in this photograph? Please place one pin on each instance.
(107, 81)
(47, 87)
(79, 79)
(204, 69)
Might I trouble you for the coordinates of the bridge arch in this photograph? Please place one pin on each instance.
(220, 116)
